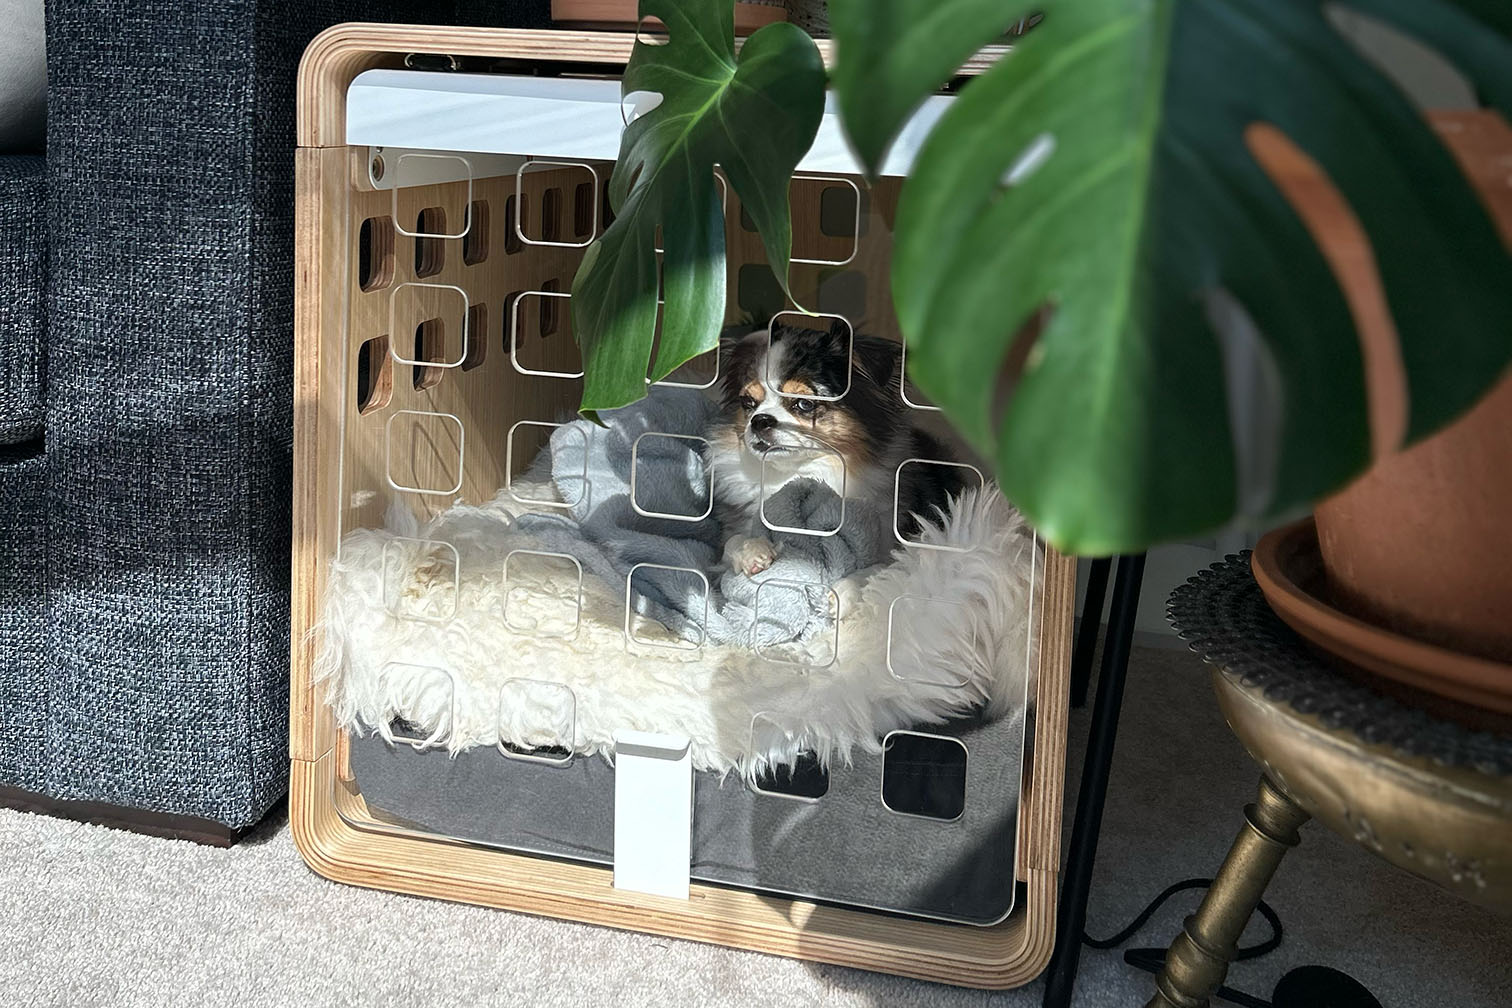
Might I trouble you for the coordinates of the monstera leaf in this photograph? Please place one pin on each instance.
(1100, 177)
(754, 115)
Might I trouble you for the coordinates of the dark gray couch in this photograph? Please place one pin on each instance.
(146, 304)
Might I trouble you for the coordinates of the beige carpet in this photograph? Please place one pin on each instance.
(91, 916)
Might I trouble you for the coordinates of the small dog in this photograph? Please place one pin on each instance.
(807, 402)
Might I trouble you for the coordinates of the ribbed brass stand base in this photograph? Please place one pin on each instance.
(1199, 958)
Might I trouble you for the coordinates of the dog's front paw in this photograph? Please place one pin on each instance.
(750, 555)
(845, 597)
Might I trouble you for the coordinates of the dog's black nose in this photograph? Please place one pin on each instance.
(763, 422)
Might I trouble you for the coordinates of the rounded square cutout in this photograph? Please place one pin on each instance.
(668, 447)
(777, 599)
(929, 469)
(924, 775)
(521, 357)
(843, 293)
(903, 384)
(550, 711)
(375, 254)
(441, 234)
(421, 579)
(475, 337)
(430, 251)
(913, 621)
(815, 459)
(428, 687)
(526, 440)
(689, 372)
(805, 320)
(475, 241)
(644, 631)
(803, 780)
(758, 292)
(552, 206)
(724, 208)
(423, 452)
(375, 375)
(544, 598)
(419, 303)
(815, 189)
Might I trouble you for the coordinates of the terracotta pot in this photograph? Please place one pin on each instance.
(1422, 543)
(1409, 577)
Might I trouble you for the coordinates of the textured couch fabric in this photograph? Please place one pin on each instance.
(23, 258)
(151, 671)
(23, 616)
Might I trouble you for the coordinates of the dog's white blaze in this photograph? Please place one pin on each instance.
(769, 370)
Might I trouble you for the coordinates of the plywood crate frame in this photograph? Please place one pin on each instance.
(344, 842)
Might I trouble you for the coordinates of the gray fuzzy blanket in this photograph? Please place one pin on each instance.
(611, 536)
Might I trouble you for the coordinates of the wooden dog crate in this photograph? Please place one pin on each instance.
(394, 328)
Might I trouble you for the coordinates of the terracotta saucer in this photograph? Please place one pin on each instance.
(1289, 569)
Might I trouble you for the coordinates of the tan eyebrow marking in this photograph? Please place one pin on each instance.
(756, 391)
(796, 386)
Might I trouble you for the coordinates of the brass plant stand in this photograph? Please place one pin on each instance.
(1428, 795)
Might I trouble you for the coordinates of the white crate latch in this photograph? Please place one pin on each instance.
(653, 813)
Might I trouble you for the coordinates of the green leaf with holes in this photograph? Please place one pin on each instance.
(1100, 175)
(755, 115)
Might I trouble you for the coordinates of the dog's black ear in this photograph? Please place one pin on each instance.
(738, 347)
(731, 336)
(878, 358)
(838, 337)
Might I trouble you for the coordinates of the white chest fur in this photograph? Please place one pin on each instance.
(743, 479)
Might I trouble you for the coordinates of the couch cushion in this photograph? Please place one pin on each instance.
(170, 133)
(23, 261)
(23, 617)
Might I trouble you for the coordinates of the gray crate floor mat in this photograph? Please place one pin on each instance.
(845, 847)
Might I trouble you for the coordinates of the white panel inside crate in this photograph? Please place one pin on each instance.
(563, 117)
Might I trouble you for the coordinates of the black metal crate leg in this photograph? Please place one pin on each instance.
(1071, 921)
(1086, 634)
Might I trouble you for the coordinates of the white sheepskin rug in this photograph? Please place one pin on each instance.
(412, 631)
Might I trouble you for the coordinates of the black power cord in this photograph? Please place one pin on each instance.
(1152, 959)
(1303, 987)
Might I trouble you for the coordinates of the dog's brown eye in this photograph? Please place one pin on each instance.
(805, 406)
(747, 402)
